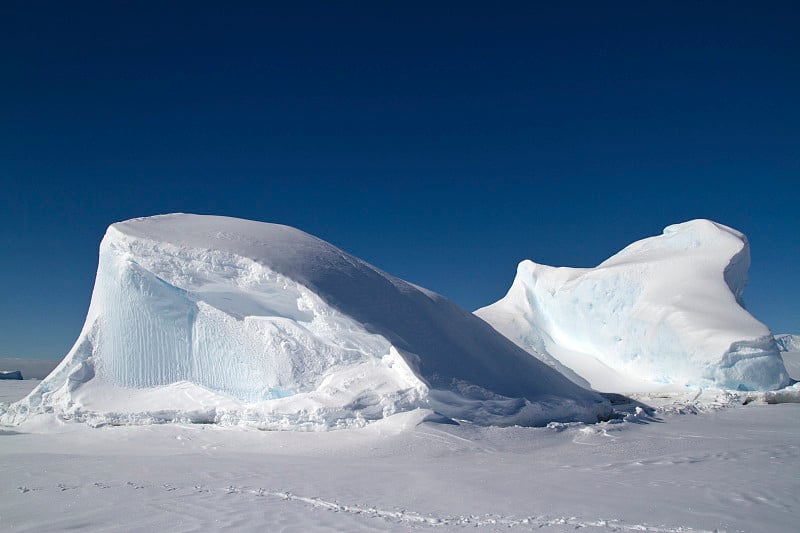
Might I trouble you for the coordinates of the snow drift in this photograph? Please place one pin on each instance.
(214, 319)
(666, 310)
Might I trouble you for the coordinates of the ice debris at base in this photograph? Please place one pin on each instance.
(214, 319)
(696, 401)
(10, 374)
(665, 311)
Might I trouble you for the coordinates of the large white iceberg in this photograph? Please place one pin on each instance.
(215, 319)
(665, 311)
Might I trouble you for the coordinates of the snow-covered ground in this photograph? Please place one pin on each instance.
(15, 389)
(731, 469)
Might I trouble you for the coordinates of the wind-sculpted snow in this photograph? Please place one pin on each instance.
(666, 310)
(213, 319)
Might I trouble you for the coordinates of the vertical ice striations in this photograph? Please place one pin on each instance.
(146, 333)
(665, 310)
(218, 319)
(215, 319)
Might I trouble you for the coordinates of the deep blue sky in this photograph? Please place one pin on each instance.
(443, 144)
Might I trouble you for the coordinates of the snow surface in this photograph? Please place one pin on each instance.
(664, 312)
(715, 467)
(14, 390)
(214, 319)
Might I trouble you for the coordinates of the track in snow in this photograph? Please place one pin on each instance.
(397, 516)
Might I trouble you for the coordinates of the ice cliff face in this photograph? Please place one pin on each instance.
(665, 310)
(204, 318)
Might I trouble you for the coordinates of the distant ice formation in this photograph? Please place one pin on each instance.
(665, 311)
(215, 319)
(787, 342)
(30, 368)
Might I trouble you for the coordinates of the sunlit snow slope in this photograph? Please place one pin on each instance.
(214, 319)
(665, 311)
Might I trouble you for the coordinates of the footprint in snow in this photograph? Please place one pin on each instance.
(199, 488)
(63, 487)
(23, 489)
(169, 488)
(100, 485)
(134, 485)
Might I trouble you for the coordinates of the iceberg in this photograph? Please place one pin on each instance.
(213, 319)
(665, 311)
(30, 368)
(789, 346)
(788, 342)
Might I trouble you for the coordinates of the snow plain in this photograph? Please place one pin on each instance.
(688, 467)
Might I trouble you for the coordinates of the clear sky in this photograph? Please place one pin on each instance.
(442, 144)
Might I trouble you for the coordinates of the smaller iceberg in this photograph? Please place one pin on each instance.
(787, 342)
(665, 311)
